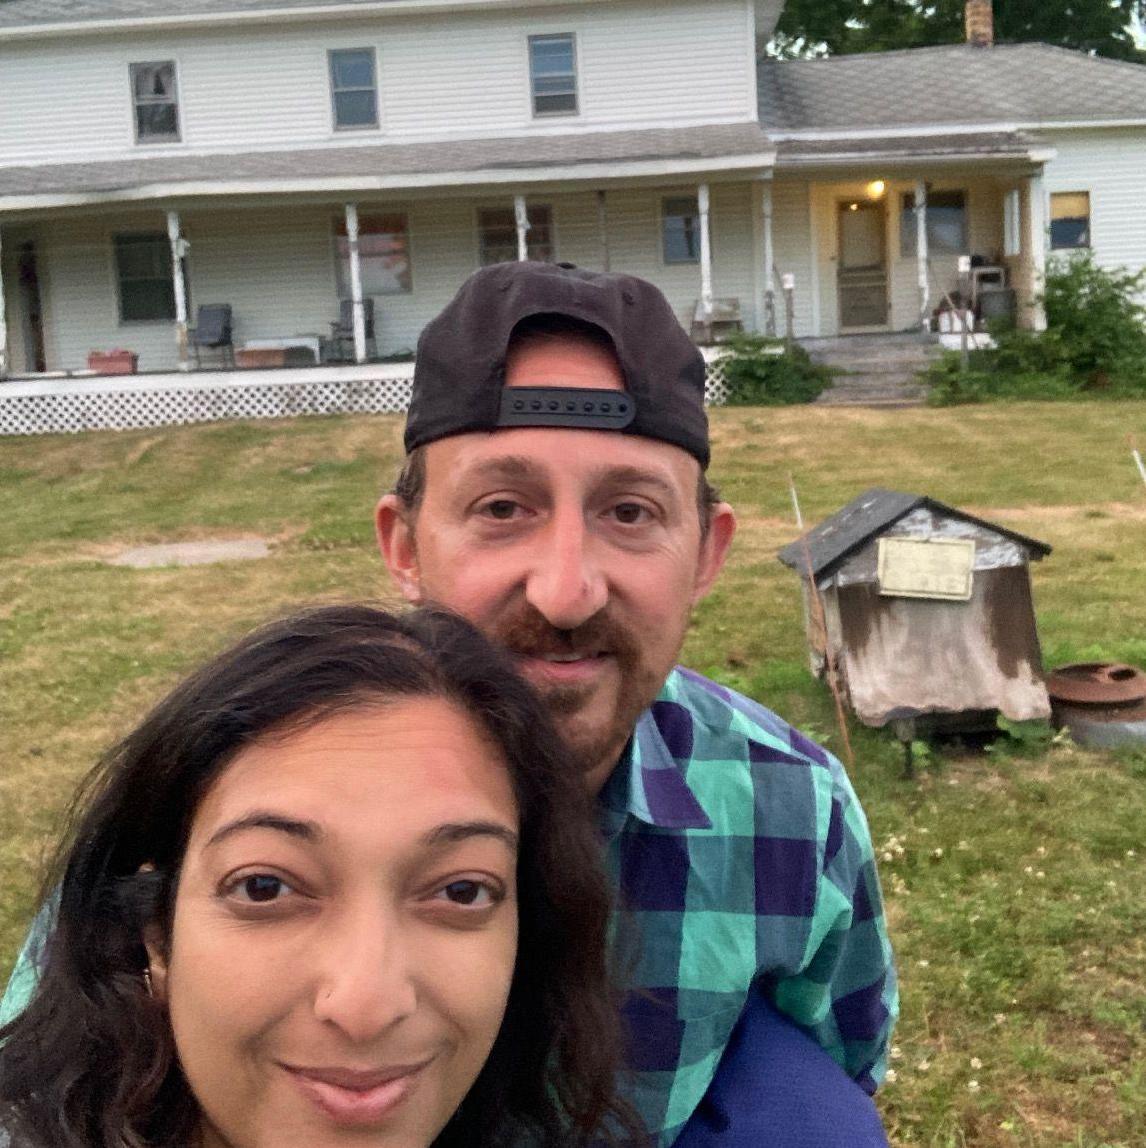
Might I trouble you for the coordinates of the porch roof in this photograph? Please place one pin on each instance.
(930, 89)
(909, 149)
(519, 160)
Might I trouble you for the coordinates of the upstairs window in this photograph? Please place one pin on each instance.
(497, 233)
(383, 255)
(143, 276)
(946, 223)
(1070, 219)
(680, 229)
(354, 88)
(156, 102)
(553, 75)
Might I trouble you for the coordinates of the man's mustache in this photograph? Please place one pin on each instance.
(527, 631)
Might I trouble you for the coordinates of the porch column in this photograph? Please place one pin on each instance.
(1037, 248)
(178, 252)
(3, 315)
(357, 309)
(769, 264)
(603, 229)
(921, 253)
(521, 216)
(702, 202)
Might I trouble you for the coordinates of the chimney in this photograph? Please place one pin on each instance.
(980, 20)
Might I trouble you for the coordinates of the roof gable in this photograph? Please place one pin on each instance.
(1010, 84)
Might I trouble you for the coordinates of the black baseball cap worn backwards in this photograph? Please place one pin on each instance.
(459, 373)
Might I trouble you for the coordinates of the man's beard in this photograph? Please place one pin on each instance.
(524, 631)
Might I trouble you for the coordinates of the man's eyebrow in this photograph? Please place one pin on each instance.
(260, 819)
(454, 832)
(504, 466)
(637, 476)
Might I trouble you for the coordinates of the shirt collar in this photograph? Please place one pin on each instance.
(648, 783)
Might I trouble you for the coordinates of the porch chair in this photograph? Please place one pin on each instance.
(710, 326)
(213, 332)
(342, 331)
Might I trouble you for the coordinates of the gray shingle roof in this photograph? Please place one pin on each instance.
(924, 87)
(27, 13)
(997, 145)
(867, 516)
(717, 141)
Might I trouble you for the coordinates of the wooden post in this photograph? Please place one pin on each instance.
(3, 315)
(1037, 247)
(357, 307)
(769, 265)
(603, 229)
(702, 202)
(789, 285)
(921, 254)
(521, 216)
(178, 253)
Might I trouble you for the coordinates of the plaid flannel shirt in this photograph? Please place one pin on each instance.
(743, 861)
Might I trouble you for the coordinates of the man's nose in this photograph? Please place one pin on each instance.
(366, 980)
(566, 583)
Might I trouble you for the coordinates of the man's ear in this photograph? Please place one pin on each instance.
(714, 548)
(155, 943)
(394, 529)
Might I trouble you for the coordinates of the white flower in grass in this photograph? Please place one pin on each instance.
(976, 1063)
(924, 963)
(891, 1077)
(963, 846)
(887, 857)
(1040, 875)
(923, 1065)
(1131, 853)
(1000, 1018)
(1041, 850)
(1029, 869)
(937, 854)
(972, 1086)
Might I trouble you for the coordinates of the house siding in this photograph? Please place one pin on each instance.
(463, 74)
(276, 267)
(1111, 165)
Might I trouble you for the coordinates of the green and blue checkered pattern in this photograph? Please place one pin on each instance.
(743, 861)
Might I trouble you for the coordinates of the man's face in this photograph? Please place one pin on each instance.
(578, 550)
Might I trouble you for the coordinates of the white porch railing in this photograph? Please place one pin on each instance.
(127, 402)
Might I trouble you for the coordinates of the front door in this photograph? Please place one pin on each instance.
(862, 266)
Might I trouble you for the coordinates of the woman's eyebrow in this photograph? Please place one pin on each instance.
(452, 832)
(305, 830)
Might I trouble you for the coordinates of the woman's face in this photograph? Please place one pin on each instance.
(345, 930)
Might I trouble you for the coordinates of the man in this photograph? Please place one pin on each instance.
(555, 494)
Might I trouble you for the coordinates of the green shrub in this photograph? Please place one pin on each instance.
(760, 372)
(1094, 344)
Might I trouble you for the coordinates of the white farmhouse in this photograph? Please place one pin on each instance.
(299, 161)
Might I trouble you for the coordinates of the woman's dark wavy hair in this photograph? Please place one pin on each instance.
(91, 1062)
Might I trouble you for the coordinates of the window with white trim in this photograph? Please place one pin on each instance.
(354, 88)
(946, 223)
(553, 74)
(383, 255)
(1069, 220)
(144, 281)
(680, 229)
(155, 99)
(497, 234)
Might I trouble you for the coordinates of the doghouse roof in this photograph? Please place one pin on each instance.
(868, 516)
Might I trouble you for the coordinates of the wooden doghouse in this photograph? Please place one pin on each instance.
(928, 614)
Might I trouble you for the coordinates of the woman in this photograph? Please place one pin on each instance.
(341, 886)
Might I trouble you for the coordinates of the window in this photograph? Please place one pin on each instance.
(353, 88)
(383, 255)
(553, 75)
(156, 102)
(497, 231)
(1070, 219)
(143, 276)
(946, 223)
(680, 229)
(1012, 223)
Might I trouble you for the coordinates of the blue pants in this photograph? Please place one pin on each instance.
(776, 1088)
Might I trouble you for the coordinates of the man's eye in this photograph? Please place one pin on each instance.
(502, 509)
(630, 513)
(260, 889)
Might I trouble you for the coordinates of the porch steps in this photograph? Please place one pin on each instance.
(874, 370)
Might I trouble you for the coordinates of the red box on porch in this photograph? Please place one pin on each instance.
(117, 362)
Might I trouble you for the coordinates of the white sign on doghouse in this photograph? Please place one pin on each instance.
(926, 568)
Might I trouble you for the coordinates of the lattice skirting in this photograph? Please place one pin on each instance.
(72, 406)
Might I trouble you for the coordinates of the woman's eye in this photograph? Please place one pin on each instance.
(260, 888)
(473, 894)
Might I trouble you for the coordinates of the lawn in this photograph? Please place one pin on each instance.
(1012, 877)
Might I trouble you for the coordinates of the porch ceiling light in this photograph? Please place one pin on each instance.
(876, 188)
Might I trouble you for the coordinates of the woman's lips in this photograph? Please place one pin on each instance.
(353, 1097)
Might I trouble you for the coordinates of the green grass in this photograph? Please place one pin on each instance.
(1012, 878)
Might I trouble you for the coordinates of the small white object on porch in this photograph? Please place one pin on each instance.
(521, 218)
(703, 203)
(179, 247)
(3, 316)
(769, 263)
(1037, 246)
(921, 254)
(357, 307)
